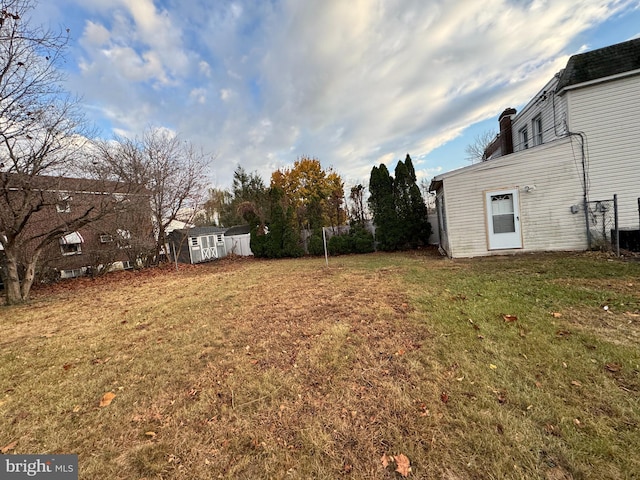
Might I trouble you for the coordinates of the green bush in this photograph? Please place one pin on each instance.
(315, 245)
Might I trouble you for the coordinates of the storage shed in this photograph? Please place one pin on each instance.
(238, 240)
(198, 244)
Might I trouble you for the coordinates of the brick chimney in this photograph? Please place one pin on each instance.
(506, 134)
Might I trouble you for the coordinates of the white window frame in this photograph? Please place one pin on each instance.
(523, 136)
(64, 204)
(503, 240)
(536, 129)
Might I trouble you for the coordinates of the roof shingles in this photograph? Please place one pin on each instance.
(601, 63)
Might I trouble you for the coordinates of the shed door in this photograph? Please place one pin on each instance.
(503, 219)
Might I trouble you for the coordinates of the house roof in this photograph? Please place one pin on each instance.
(15, 181)
(603, 62)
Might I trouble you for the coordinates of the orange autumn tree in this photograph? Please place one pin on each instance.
(316, 194)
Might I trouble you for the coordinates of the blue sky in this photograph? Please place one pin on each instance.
(260, 83)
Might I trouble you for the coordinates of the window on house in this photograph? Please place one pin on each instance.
(73, 273)
(219, 238)
(524, 138)
(64, 203)
(71, 243)
(194, 241)
(124, 238)
(106, 238)
(536, 126)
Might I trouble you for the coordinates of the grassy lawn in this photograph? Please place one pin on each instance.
(505, 368)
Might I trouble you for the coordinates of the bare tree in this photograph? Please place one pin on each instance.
(170, 169)
(41, 135)
(476, 149)
(357, 209)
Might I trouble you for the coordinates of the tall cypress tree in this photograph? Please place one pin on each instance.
(382, 206)
(412, 171)
(401, 186)
(419, 228)
(399, 211)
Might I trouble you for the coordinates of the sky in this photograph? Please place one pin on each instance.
(260, 83)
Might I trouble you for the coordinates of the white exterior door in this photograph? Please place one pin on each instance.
(503, 219)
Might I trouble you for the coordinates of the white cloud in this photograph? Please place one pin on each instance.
(352, 83)
(96, 34)
(199, 95)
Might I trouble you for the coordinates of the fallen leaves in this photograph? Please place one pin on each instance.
(9, 446)
(107, 398)
(444, 397)
(509, 318)
(401, 461)
(613, 367)
(100, 361)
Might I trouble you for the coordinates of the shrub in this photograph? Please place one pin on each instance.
(315, 245)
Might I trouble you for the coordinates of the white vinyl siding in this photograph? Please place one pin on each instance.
(546, 220)
(609, 114)
(542, 106)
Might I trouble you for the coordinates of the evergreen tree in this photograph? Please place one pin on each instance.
(382, 206)
(402, 201)
(399, 211)
(419, 226)
(412, 171)
(278, 236)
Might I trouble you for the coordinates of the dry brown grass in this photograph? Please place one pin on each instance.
(287, 369)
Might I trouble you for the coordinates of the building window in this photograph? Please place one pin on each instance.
(106, 238)
(536, 127)
(219, 239)
(71, 249)
(64, 204)
(73, 273)
(71, 243)
(124, 238)
(194, 241)
(524, 138)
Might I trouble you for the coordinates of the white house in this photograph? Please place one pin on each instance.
(544, 180)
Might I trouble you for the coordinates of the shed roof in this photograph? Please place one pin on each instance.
(238, 230)
(603, 62)
(199, 231)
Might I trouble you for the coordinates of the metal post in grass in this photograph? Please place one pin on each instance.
(615, 220)
(324, 241)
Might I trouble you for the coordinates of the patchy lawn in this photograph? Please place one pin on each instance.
(515, 367)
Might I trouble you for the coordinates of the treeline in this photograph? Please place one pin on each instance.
(286, 218)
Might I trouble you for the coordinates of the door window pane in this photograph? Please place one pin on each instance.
(502, 213)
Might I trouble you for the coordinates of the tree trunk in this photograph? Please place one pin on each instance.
(17, 290)
(29, 275)
(12, 288)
